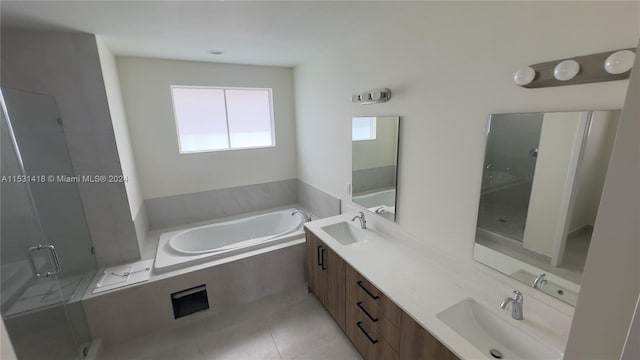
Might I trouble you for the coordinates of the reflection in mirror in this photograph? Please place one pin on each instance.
(541, 185)
(374, 163)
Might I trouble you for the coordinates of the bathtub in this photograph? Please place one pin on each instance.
(177, 249)
(372, 201)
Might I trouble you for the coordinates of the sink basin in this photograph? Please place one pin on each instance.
(563, 293)
(345, 233)
(495, 337)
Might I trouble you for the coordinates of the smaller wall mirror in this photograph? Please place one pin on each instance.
(374, 166)
(541, 186)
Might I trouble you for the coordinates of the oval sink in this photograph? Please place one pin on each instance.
(495, 337)
(344, 233)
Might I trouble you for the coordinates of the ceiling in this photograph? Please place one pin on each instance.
(261, 32)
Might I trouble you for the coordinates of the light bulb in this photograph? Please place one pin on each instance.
(524, 76)
(566, 70)
(620, 62)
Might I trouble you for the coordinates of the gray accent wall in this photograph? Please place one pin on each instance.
(207, 205)
(66, 66)
(374, 178)
(320, 203)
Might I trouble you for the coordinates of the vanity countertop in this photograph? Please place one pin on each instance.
(424, 280)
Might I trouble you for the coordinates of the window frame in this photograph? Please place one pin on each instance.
(373, 129)
(223, 88)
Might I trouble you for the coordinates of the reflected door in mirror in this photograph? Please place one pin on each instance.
(541, 184)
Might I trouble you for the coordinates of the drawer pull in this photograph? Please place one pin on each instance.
(322, 252)
(359, 323)
(367, 291)
(359, 303)
(318, 257)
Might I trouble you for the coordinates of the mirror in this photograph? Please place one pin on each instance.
(374, 166)
(541, 186)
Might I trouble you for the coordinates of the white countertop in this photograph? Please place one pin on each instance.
(424, 280)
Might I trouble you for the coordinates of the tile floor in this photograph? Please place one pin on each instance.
(289, 325)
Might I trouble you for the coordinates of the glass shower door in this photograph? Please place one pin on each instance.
(41, 285)
(509, 166)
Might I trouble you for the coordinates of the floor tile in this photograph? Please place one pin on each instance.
(289, 325)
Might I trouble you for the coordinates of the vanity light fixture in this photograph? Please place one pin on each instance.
(585, 69)
(620, 62)
(372, 96)
(566, 70)
(524, 76)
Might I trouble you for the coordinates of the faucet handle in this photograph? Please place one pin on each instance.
(517, 295)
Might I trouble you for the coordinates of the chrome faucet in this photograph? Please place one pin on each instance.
(539, 281)
(363, 222)
(380, 210)
(304, 215)
(516, 305)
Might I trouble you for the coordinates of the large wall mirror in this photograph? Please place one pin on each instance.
(541, 186)
(374, 164)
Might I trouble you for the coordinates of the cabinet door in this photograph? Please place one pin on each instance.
(315, 275)
(334, 271)
(418, 344)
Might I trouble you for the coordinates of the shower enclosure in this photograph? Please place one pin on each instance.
(46, 253)
(510, 162)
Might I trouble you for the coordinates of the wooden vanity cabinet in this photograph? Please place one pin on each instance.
(325, 276)
(376, 326)
(418, 343)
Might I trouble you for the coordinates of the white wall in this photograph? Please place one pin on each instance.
(381, 151)
(593, 169)
(120, 129)
(611, 279)
(449, 66)
(163, 171)
(556, 166)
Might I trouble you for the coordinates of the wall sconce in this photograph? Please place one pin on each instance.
(606, 66)
(372, 96)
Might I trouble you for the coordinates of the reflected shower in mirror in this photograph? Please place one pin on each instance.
(542, 179)
(374, 163)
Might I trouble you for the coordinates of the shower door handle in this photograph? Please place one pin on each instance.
(53, 257)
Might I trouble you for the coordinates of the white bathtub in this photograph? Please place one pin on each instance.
(200, 244)
(372, 201)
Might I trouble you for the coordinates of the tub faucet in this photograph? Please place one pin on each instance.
(363, 222)
(304, 215)
(539, 281)
(516, 305)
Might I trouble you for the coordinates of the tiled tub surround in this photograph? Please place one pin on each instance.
(423, 280)
(239, 279)
(374, 178)
(205, 205)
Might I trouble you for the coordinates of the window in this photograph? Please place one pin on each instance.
(363, 128)
(212, 119)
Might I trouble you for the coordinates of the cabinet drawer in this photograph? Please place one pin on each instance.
(359, 290)
(373, 308)
(365, 335)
